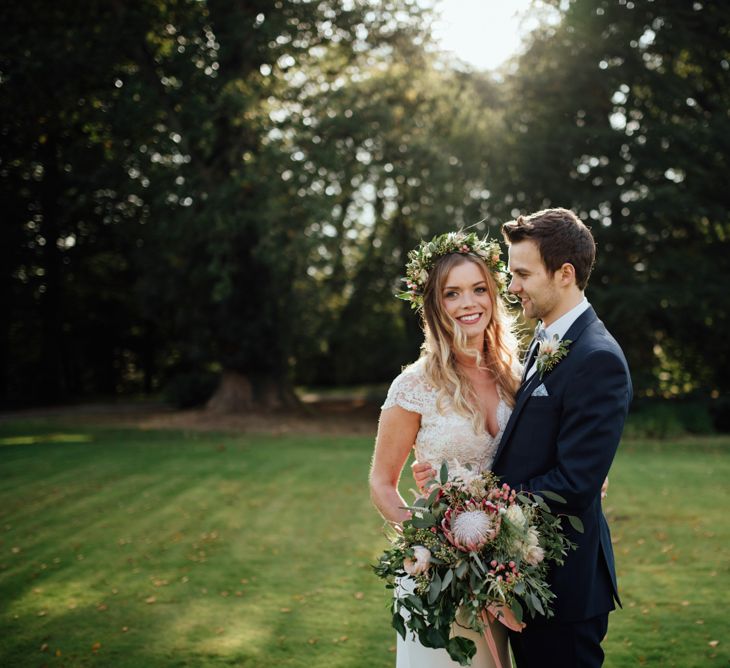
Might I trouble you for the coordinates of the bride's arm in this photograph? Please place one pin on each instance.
(397, 432)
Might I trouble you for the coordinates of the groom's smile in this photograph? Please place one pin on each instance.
(531, 283)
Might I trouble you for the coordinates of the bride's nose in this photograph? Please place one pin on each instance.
(467, 300)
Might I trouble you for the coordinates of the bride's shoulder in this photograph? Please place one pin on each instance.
(409, 389)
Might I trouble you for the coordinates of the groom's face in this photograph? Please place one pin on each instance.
(536, 289)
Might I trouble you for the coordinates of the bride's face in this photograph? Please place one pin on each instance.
(465, 297)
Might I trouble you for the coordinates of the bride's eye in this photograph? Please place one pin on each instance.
(449, 294)
(480, 290)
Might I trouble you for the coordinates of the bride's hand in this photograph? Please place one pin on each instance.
(422, 473)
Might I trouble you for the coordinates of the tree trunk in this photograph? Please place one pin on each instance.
(240, 393)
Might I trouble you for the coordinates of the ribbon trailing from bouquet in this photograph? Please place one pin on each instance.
(505, 615)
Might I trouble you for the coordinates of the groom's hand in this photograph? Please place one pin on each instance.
(422, 473)
(604, 488)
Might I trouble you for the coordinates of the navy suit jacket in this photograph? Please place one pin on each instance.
(565, 443)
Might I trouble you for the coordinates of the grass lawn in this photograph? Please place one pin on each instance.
(159, 548)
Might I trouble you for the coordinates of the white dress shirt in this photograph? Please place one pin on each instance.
(561, 327)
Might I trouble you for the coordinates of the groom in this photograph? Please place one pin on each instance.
(564, 430)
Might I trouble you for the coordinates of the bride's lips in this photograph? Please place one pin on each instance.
(470, 318)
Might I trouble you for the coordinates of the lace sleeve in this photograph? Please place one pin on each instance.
(408, 391)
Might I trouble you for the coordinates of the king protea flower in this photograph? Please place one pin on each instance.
(471, 527)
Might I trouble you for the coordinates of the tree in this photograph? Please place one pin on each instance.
(619, 112)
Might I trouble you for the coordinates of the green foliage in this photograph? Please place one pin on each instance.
(504, 564)
(239, 184)
(668, 419)
(191, 389)
(619, 112)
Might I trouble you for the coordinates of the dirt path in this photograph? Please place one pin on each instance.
(337, 417)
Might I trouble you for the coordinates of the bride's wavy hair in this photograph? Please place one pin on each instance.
(444, 339)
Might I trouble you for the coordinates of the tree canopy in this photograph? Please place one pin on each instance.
(196, 191)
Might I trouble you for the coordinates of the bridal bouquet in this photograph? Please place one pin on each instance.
(473, 549)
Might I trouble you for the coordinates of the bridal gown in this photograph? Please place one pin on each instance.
(446, 437)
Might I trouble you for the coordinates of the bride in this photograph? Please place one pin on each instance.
(454, 402)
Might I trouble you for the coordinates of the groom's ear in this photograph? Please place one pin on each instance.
(566, 274)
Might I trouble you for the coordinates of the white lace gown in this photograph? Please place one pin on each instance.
(444, 437)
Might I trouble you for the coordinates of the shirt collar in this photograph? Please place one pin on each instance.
(563, 323)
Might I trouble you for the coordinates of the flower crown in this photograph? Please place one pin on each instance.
(422, 259)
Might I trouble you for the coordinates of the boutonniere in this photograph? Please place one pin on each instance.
(549, 353)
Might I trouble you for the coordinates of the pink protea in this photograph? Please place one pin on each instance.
(470, 527)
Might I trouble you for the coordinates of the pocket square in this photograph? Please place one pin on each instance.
(540, 391)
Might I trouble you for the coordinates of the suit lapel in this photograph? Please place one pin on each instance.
(528, 386)
(523, 395)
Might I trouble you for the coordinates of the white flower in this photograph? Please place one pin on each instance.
(423, 276)
(532, 553)
(515, 515)
(421, 562)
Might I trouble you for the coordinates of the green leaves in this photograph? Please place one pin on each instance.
(553, 496)
(446, 581)
(461, 650)
(399, 625)
(576, 523)
(444, 473)
(435, 589)
(516, 607)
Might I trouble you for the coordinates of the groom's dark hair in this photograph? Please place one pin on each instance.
(560, 237)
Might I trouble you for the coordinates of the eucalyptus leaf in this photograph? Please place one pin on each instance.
(541, 502)
(436, 639)
(435, 588)
(444, 473)
(432, 496)
(517, 610)
(482, 568)
(461, 650)
(415, 601)
(553, 496)
(399, 625)
(576, 523)
(537, 603)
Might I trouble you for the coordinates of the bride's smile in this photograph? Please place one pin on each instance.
(466, 299)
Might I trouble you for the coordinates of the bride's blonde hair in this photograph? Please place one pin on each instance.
(444, 339)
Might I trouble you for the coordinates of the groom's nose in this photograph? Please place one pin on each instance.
(514, 285)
